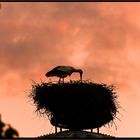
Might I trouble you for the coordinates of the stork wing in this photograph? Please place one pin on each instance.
(65, 68)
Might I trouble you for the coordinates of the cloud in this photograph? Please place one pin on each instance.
(36, 37)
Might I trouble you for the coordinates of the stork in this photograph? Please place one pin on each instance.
(63, 71)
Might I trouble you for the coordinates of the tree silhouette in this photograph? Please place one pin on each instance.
(2, 124)
(9, 132)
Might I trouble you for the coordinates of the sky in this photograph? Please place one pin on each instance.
(101, 38)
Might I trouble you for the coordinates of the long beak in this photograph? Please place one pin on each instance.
(80, 76)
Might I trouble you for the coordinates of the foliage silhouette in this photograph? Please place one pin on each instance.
(10, 132)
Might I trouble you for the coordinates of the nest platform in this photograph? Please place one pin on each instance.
(76, 105)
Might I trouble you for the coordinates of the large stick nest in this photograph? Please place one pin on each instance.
(75, 105)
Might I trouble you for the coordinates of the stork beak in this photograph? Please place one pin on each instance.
(81, 77)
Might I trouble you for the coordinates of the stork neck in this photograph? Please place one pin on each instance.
(78, 70)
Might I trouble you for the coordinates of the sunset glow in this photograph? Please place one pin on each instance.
(79, 53)
(102, 39)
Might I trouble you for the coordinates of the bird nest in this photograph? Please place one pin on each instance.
(75, 105)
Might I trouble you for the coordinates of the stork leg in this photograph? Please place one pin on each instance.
(63, 79)
(60, 129)
(98, 130)
(59, 80)
(55, 129)
(70, 79)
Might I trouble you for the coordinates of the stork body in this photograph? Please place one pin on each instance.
(63, 71)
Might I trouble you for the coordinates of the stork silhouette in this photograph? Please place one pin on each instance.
(63, 71)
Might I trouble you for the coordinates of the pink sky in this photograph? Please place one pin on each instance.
(100, 38)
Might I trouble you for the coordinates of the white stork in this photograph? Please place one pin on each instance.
(63, 71)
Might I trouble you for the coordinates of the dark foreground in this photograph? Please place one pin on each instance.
(76, 134)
